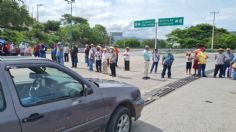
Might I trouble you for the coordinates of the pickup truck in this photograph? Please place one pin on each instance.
(39, 95)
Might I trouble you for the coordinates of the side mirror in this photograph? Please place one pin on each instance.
(88, 91)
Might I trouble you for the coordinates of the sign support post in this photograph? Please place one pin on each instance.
(156, 26)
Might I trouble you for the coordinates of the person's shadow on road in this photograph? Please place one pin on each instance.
(140, 126)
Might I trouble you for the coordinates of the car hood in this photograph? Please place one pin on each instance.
(103, 83)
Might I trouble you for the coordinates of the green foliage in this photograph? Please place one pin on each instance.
(52, 26)
(200, 35)
(75, 20)
(13, 16)
(129, 42)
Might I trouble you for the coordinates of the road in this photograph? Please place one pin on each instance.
(206, 105)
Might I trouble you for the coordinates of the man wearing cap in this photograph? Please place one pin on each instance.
(228, 58)
(202, 56)
(167, 61)
(219, 58)
(146, 55)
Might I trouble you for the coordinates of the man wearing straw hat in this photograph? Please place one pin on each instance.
(219, 58)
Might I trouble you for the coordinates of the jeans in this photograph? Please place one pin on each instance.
(43, 55)
(87, 61)
(59, 60)
(74, 60)
(113, 69)
(154, 64)
(233, 74)
(201, 70)
(91, 61)
(99, 65)
(226, 66)
(217, 68)
(166, 67)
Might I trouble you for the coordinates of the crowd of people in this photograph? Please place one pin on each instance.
(225, 63)
(24, 49)
(104, 57)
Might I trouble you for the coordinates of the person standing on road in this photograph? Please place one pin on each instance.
(66, 53)
(36, 50)
(112, 61)
(86, 54)
(155, 59)
(116, 50)
(146, 55)
(53, 52)
(43, 50)
(167, 61)
(74, 56)
(189, 60)
(98, 57)
(220, 57)
(105, 61)
(233, 65)
(195, 61)
(127, 59)
(22, 49)
(91, 57)
(228, 58)
(60, 54)
(202, 57)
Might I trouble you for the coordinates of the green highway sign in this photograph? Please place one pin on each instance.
(171, 21)
(144, 23)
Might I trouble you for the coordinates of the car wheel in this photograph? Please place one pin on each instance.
(121, 121)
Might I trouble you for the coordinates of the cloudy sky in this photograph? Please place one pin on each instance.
(119, 15)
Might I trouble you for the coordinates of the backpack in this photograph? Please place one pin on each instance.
(168, 59)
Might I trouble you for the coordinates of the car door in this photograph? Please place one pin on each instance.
(46, 105)
(9, 121)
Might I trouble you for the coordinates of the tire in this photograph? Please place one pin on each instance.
(116, 124)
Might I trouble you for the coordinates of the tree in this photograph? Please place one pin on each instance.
(199, 35)
(52, 26)
(99, 35)
(129, 42)
(13, 16)
(75, 19)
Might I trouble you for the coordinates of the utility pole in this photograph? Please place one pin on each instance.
(213, 29)
(71, 22)
(38, 5)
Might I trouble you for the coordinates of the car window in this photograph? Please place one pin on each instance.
(38, 85)
(2, 101)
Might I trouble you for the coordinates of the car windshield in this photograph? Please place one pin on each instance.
(36, 85)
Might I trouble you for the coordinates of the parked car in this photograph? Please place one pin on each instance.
(38, 95)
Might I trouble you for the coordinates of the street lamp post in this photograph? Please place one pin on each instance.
(213, 29)
(71, 7)
(38, 5)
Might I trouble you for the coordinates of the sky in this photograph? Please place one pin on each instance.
(119, 15)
